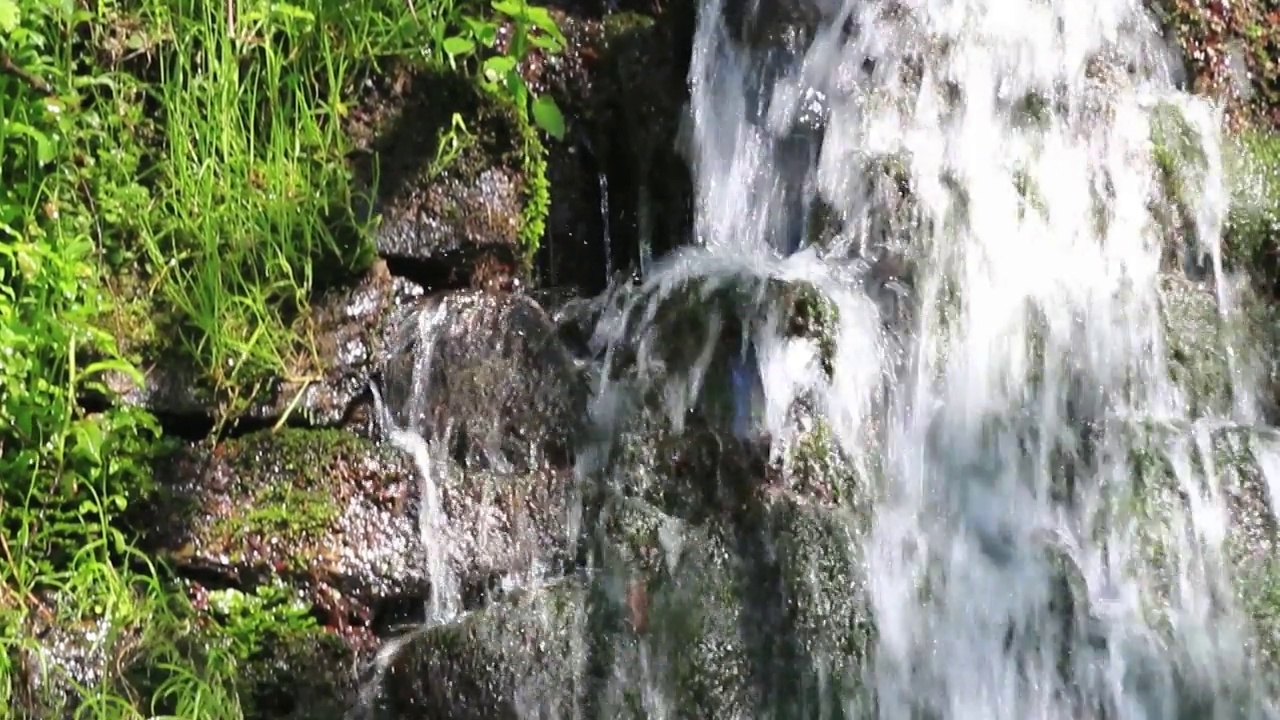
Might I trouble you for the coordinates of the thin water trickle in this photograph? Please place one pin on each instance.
(607, 239)
(1042, 525)
(408, 435)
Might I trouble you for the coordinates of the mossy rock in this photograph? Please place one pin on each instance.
(1232, 459)
(746, 612)
(725, 630)
(345, 327)
(450, 163)
(1252, 242)
(495, 664)
(324, 510)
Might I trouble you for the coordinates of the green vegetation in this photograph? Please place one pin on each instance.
(1232, 48)
(174, 181)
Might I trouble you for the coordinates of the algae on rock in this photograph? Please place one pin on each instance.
(457, 172)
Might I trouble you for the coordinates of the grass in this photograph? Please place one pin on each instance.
(173, 182)
(258, 199)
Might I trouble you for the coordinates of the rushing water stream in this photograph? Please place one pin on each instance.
(1012, 558)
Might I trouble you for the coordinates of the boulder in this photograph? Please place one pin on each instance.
(695, 620)
(345, 327)
(446, 161)
(338, 517)
(487, 377)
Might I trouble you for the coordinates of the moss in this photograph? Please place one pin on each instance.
(537, 192)
(815, 316)
(264, 504)
(1253, 228)
(286, 482)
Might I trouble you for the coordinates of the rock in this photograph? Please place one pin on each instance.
(616, 180)
(337, 517)
(449, 167)
(686, 343)
(60, 647)
(1238, 460)
(345, 327)
(487, 374)
(508, 661)
(324, 510)
(287, 666)
(730, 629)
(1213, 359)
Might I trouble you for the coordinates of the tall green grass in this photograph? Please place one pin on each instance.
(174, 174)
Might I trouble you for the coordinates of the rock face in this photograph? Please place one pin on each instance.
(346, 326)
(322, 509)
(449, 192)
(487, 376)
(339, 517)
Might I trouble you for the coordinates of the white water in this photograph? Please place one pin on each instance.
(1035, 342)
(1037, 312)
(431, 461)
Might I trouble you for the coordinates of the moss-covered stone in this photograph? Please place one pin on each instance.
(511, 659)
(459, 172)
(719, 620)
(288, 667)
(1231, 463)
(325, 510)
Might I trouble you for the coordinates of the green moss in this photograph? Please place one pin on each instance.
(815, 316)
(283, 484)
(1253, 228)
(537, 192)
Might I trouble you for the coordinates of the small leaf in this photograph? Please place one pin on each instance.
(498, 67)
(9, 16)
(547, 115)
(546, 42)
(458, 46)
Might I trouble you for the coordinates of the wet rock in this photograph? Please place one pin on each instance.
(487, 376)
(324, 510)
(447, 163)
(617, 182)
(508, 661)
(338, 518)
(345, 327)
(58, 648)
(739, 617)
(641, 90)
(1212, 358)
(1240, 462)
(687, 343)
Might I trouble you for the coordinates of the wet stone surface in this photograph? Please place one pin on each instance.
(445, 215)
(487, 376)
(346, 325)
(323, 509)
(337, 516)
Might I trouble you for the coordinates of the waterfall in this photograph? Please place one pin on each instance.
(1038, 512)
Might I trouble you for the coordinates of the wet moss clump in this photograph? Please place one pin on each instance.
(1253, 227)
(287, 482)
(288, 666)
(459, 169)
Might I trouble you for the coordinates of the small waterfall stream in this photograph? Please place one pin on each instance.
(1036, 519)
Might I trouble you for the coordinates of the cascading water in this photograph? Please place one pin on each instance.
(1007, 549)
(1023, 132)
